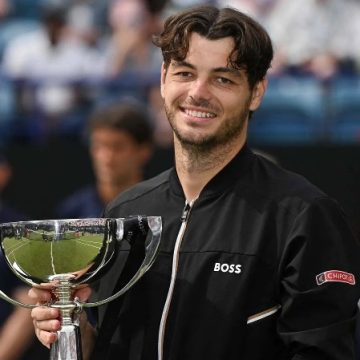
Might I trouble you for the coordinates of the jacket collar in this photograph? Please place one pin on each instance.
(237, 168)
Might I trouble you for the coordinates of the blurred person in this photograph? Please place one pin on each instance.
(16, 333)
(42, 45)
(326, 33)
(81, 20)
(129, 47)
(13, 22)
(255, 262)
(47, 66)
(84, 21)
(120, 145)
(131, 63)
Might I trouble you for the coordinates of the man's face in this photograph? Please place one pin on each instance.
(117, 157)
(206, 100)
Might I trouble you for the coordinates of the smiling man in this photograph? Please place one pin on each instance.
(207, 101)
(255, 262)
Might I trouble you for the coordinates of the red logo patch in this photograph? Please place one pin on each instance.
(335, 276)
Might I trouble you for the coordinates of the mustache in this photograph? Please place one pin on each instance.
(200, 102)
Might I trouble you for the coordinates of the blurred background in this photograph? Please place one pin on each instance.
(60, 60)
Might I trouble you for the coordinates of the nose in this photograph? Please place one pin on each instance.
(199, 90)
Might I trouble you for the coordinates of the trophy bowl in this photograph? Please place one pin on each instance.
(63, 255)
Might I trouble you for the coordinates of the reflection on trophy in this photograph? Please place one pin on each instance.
(65, 254)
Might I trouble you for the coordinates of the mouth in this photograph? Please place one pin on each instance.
(199, 114)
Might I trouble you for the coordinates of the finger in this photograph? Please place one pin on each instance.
(83, 293)
(46, 330)
(40, 296)
(47, 325)
(41, 313)
(45, 337)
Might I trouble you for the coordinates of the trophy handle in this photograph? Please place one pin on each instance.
(155, 225)
(14, 302)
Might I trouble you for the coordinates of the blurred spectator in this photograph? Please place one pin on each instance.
(16, 330)
(120, 144)
(317, 37)
(131, 62)
(81, 22)
(13, 23)
(86, 20)
(129, 47)
(49, 65)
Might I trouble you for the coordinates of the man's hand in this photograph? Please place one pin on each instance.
(46, 319)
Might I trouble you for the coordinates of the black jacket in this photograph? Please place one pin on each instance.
(267, 268)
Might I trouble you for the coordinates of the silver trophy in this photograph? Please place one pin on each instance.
(66, 254)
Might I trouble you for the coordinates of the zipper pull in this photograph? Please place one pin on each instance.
(185, 212)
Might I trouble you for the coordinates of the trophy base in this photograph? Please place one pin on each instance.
(68, 344)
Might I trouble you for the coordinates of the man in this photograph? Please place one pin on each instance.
(255, 262)
(120, 144)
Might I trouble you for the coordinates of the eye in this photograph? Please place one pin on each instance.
(183, 74)
(224, 81)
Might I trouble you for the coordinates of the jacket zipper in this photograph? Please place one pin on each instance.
(184, 220)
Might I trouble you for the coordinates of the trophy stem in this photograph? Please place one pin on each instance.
(63, 296)
(68, 343)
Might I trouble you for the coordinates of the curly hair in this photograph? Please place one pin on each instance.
(252, 52)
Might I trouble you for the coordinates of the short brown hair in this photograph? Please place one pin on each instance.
(131, 117)
(252, 52)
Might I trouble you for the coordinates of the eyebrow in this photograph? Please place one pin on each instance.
(231, 71)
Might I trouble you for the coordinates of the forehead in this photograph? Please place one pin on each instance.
(215, 52)
(110, 134)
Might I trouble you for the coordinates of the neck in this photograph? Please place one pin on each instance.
(196, 168)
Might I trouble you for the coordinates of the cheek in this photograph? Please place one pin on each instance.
(97, 156)
(162, 90)
(126, 158)
(233, 105)
(167, 95)
(174, 94)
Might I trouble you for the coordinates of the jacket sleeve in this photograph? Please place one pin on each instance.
(320, 277)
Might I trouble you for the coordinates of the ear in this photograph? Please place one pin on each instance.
(258, 94)
(162, 80)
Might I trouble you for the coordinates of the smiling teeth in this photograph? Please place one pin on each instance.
(199, 114)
